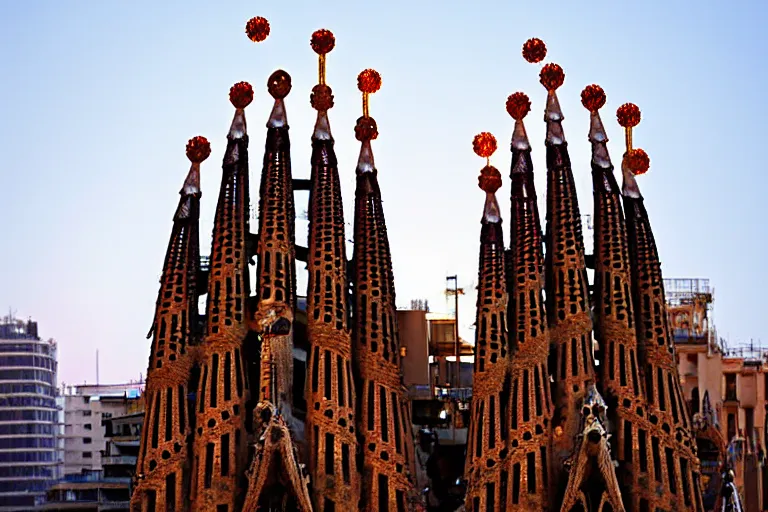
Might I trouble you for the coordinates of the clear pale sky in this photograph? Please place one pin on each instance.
(98, 99)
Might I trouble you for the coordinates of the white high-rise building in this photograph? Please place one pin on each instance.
(29, 455)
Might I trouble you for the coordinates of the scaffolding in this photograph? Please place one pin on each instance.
(684, 291)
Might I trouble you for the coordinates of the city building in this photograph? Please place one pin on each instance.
(109, 488)
(85, 408)
(726, 390)
(428, 355)
(29, 458)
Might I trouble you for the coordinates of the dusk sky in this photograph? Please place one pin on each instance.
(98, 99)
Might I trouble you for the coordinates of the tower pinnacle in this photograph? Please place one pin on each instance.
(163, 452)
(530, 409)
(487, 446)
(331, 393)
(383, 418)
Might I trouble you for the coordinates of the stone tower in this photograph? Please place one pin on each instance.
(276, 266)
(615, 329)
(530, 401)
(383, 419)
(487, 443)
(567, 287)
(276, 478)
(163, 463)
(219, 454)
(331, 397)
(656, 351)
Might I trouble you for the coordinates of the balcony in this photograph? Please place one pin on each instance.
(118, 460)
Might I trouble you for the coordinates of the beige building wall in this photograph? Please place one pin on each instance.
(84, 435)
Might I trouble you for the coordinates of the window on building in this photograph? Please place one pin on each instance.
(731, 426)
(88, 426)
(443, 332)
(87, 440)
(87, 455)
(106, 415)
(695, 401)
(86, 413)
(730, 386)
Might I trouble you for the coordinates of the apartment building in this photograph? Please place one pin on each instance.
(85, 408)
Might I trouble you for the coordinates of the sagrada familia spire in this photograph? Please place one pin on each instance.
(633, 449)
(221, 433)
(577, 404)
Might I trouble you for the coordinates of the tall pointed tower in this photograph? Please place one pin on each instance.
(531, 405)
(615, 328)
(487, 442)
(383, 419)
(163, 463)
(276, 268)
(330, 387)
(680, 475)
(219, 454)
(568, 314)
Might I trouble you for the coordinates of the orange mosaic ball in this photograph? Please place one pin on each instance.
(628, 115)
(534, 50)
(552, 76)
(593, 97)
(369, 80)
(241, 94)
(489, 179)
(518, 105)
(279, 84)
(322, 41)
(638, 161)
(198, 149)
(484, 144)
(257, 29)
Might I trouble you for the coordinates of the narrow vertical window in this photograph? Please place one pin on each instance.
(168, 414)
(214, 380)
(228, 376)
(225, 455)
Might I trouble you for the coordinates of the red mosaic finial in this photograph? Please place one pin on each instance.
(369, 81)
(279, 84)
(628, 115)
(198, 149)
(518, 105)
(257, 29)
(323, 41)
(552, 76)
(366, 129)
(638, 161)
(241, 94)
(534, 50)
(593, 97)
(484, 144)
(321, 97)
(489, 179)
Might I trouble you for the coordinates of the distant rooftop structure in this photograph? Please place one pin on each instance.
(13, 328)
(680, 291)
